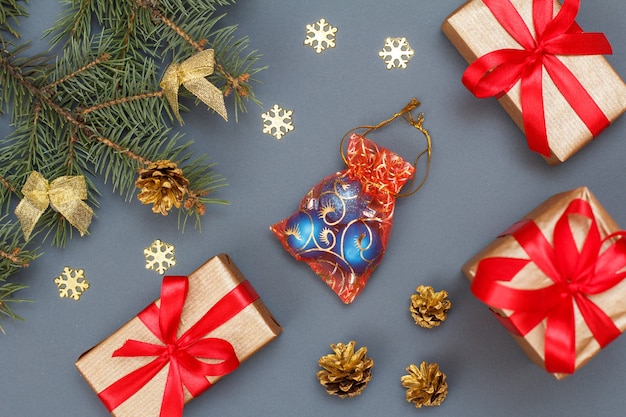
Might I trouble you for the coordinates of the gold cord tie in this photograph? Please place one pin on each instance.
(407, 114)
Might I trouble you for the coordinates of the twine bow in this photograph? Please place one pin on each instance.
(576, 275)
(64, 194)
(181, 353)
(191, 73)
(495, 73)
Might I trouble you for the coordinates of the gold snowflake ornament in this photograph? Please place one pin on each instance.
(320, 36)
(396, 53)
(71, 283)
(159, 256)
(277, 122)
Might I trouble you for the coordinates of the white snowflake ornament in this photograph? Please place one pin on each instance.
(159, 256)
(320, 36)
(71, 283)
(277, 122)
(396, 53)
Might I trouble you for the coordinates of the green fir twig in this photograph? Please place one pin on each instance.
(12, 259)
(95, 106)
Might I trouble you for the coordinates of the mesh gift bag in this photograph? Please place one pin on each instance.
(343, 223)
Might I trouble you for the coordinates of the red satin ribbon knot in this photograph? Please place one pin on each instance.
(575, 275)
(495, 73)
(182, 353)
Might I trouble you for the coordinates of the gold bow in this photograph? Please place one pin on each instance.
(64, 194)
(191, 73)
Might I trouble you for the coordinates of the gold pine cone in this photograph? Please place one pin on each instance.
(425, 385)
(346, 372)
(429, 308)
(163, 185)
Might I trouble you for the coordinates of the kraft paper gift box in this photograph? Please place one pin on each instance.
(475, 31)
(219, 299)
(555, 280)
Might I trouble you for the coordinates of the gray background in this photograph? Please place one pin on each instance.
(483, 178)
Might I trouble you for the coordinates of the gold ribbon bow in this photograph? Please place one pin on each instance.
(64, 194)
(191, 73)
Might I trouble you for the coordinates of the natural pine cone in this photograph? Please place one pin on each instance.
(346, 372)
(425, 385)
(162, 184)
(429, 308)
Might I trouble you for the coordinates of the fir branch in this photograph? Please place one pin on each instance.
(7, 299)
(232, 68)
(45, 98)
(15, 76)
(231, 58)
(7, 190)
(99, 109)
(102, 58)
(14, 67)
(198, 46)
(12, 258)
(74, 21)
(7, 184)
(80, 123)
(10, 12)
(121, 100)
(175, 28)
(12, 253)
(203, 183)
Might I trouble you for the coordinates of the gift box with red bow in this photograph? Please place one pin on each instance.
(547, 73)
(556, 281)
(200, 329)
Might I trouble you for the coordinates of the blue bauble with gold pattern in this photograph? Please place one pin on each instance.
(307, 234)
(341, 201)
(361, 245)
(300, 231)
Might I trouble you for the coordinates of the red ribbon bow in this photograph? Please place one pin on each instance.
(182, 352)
(576, 275)
(497, 72)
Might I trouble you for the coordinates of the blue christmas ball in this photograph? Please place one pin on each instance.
(361, 245)
(332, 209)
(307, 234)
(341, 201)
(300, 231)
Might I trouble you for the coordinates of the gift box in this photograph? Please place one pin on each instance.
(548, 75)
(555, 280)
(200, 329)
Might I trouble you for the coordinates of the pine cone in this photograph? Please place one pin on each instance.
(425, 385)
(346, 372)
(429, 308)
(162, 184)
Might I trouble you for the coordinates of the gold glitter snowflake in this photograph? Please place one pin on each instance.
(396, 53)
(71, 283)
(159, 256)
(320, 36)
(277, 121)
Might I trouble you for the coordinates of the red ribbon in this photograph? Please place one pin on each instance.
(180, 352)
(495, 73)
(575, 275)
